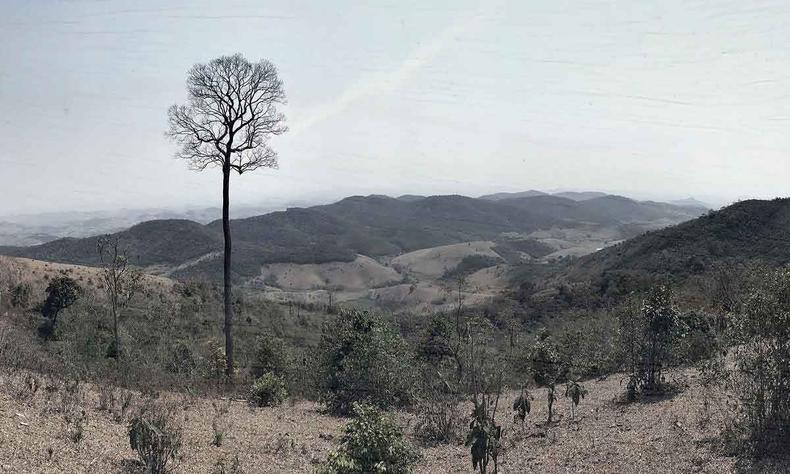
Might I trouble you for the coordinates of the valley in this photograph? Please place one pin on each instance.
(378, 251)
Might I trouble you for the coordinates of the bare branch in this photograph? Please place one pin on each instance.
(230, 115)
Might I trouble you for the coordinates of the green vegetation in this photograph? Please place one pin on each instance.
(363, 359)
(648, 337)
(372, 443)
(62, 292)
(268, 391)
(469, 265)
(156, 437)
(760, 337)
(370, 225)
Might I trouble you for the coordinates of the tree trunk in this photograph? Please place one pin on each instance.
(226, 272)
(115, 331)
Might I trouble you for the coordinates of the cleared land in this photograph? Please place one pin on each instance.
(670, 434)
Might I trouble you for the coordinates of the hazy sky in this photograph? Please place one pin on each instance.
(664, 98)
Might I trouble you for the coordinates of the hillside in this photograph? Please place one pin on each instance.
(374, 226)
(751, 230)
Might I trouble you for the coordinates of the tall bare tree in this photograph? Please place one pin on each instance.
(227, 122)
(120, 282)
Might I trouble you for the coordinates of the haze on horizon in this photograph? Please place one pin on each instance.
(660, 99)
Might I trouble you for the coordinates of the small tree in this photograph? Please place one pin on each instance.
(230, 115)
(522, 406)
(62, 292)
(647, 337)
(761, 350)
(547, 368)
(662, 324)
(372, 443)
(268, 391)
(576, 392)
(435, 344)
(156, 437)
(121, 283)
(363, 359)
(485, 378)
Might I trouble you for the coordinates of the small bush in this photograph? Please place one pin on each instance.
(762, 363)
(62, 292)
(268, 391)
(372, 443)
(438, 421)
(76, 425)
(20, 295)
(155, 436)
(270, 356)
(647, 339)
(228, 466)
(220, 423)
(182, 360)
(362, 359)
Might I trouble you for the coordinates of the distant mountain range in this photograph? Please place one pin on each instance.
(374, 225)
(584, 196)
(33, 229)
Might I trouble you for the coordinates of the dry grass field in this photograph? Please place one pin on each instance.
(663, 435)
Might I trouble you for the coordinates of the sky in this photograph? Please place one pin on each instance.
(652, 99)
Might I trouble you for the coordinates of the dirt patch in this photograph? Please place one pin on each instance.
(433, 262)
(665, 436)
(362, 273)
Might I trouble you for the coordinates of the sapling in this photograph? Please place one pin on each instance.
(576, 392)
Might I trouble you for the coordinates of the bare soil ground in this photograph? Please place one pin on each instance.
(361, 274)
(657, 435)
(37, 273)
(433, 262)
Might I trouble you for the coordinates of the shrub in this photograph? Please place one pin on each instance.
(762, 363)
(181, 360)
(20, 295)
(435, 344)
(62, 292)
(547, 367)
(270, 356)
(268, 391)
(362, 359)
(647, 338)
(522, 406)
(220, 422)
(576, 392)
(214, 363)
(155, 436)
(372, 443)
(438, 420)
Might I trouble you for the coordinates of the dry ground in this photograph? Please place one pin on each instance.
(662, 435)
(37, 273)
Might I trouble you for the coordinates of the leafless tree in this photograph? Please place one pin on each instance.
(227, 122)
(121, 282)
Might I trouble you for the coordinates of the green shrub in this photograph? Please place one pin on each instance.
(181, 360)
(62, 292)
(761, 335)
(20, 295)
(439, 420)
(647, 339)
(362, 359)
(372, 443)
(155, 436)
(213, 364)
(548, 368)
(270, 355)
(268, 391)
